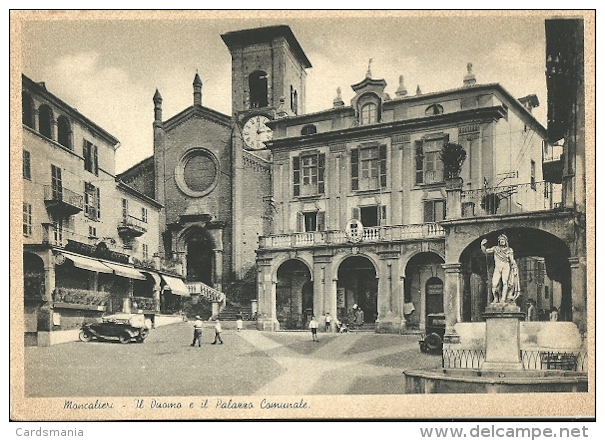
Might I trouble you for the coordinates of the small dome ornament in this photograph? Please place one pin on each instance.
(401, 90)
(338, 102)
(469, 78)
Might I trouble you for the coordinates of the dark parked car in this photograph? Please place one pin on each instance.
(122, 327)
(432, 339)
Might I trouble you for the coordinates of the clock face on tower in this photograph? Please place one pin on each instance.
(256, 132)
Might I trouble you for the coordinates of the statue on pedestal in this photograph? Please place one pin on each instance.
(505, 280)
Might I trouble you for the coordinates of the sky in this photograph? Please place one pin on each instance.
(110, 68)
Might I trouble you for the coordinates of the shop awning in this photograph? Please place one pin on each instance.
(125, 271)
(87, 263)
(176, 286)
(155, 276)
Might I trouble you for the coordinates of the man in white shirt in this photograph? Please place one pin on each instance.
(217, 332)
(197, 331)
(313, 325)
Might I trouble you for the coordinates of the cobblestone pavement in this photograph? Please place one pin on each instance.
(249, 363)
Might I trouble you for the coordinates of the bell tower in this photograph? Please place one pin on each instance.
(268, 64)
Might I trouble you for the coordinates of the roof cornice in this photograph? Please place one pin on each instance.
(478, 114)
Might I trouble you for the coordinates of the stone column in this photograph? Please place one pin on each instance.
(45, 312)
(218, 270)
(393, 321)
(452, 298)
(267, 320)
(453, 189)
(579, 301)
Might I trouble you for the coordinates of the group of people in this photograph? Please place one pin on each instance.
(198, 324)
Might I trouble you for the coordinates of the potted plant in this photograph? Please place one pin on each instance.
(452, 156)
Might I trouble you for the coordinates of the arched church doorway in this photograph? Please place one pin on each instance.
(543, 267)
(294, 295)
(423, 288)
(357, 285)
(200, 258)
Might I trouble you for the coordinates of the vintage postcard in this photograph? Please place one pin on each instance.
(302, 215)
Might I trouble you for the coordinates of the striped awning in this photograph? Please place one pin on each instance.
(125, 271)
(87, 263)
(176, 286)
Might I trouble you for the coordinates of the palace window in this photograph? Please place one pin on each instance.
(434, 109)
(311, 221)
(27, 219)
(257, 83)
(124, 208)
(429, 168)
(370, 215)
(309, 174)
(92, 201)
(434, 210)
(369, 168)
(369, 114)
(27, 110)
(64, 132)
(91, 158)
(56, 182)
(294, 100)
(45, 115)
(27, 171)
(309, 129)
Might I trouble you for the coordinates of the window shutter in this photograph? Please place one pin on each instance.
(86, 154)
(296, 168)
(355, 213)
(383, 214)
(300, 222)
(98, 203)
(321, 168)
(428, 211)
(86, 199)
(321, 220)
(354, 169)
(383, 166)
(95, 158)
(419, 156)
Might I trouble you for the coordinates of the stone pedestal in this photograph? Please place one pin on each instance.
(502, 342)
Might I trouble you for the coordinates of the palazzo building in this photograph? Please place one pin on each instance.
(90, 242)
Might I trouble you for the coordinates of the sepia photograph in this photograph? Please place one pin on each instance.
(302, 215)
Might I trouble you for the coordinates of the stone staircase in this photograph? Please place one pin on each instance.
(230, 313)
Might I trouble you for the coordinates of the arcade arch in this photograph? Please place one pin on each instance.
(544, 273)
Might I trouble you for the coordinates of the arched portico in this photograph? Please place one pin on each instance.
(357, 285)
(293, 294)
(423, 288)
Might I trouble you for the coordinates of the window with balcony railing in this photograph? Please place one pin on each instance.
(92, 201)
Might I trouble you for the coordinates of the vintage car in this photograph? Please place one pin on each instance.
(432, 339)
(123, 327)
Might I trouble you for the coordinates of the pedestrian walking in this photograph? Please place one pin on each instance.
(197, 331)
(554, 314)
(217, 332)
(328, 322)
(313, 325)
(239, 323)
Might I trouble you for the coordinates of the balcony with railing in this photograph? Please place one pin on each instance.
(511, 199)
(370, 235)
(62, 201)
(552, 163)
(131, 226)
